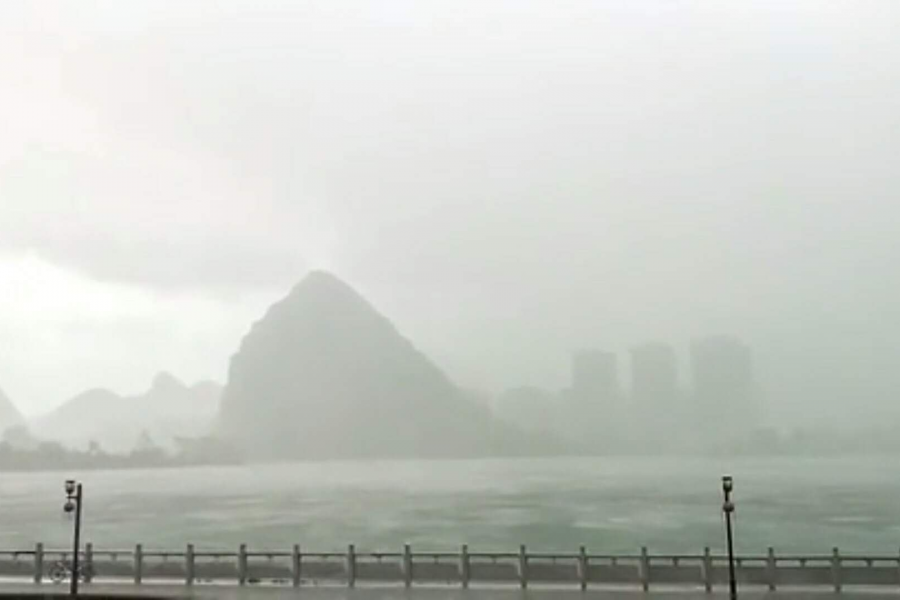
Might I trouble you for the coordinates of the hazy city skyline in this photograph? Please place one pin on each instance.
(506, 183)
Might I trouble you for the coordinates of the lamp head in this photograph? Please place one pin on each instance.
(70, 486)
(69, 506)
(727, 483)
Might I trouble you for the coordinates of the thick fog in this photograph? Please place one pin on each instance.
(507, 181)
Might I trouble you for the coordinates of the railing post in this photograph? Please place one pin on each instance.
(138, 563)
(706, 568)
(583, 567)
(38, 562)
(242, 564)
(464, 565)
(771, 569)
(645, 569)
(189, 565)
(351, 566)
(523, 567)
(407, 565)
(295, 565)
(88, 562)
(836, 568)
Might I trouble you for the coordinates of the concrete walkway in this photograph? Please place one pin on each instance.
(227, 592)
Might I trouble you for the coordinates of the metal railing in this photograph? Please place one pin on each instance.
(522, 568)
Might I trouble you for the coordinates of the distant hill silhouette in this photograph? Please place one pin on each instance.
(324, 375)
(167, 410)
(9, 414)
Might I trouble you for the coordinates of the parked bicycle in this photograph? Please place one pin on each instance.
(62, 570)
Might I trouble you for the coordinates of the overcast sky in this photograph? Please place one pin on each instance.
(506, 180)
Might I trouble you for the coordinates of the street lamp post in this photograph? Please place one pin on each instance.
(728, 509)
(73, 503)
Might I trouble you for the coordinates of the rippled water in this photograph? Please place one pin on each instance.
(615, 505)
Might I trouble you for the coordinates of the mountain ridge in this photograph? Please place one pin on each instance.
(9, 413)
(323, 374)
(168, 409)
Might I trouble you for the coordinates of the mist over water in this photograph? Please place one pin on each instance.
(607, 504)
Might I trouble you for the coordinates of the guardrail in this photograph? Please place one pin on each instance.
(463, 568)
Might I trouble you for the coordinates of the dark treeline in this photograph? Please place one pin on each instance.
(52, 456)
(814, 441)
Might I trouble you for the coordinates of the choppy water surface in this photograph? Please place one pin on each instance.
(614, 504)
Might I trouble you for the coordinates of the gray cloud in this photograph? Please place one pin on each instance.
(509, 180)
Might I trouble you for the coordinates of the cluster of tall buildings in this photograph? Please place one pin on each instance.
(656, 406)
(719, 396)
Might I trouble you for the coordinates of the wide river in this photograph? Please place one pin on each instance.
(608, 504)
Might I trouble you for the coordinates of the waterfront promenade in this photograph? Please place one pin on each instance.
(450, 574)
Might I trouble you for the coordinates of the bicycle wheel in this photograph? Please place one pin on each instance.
(58, 573)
